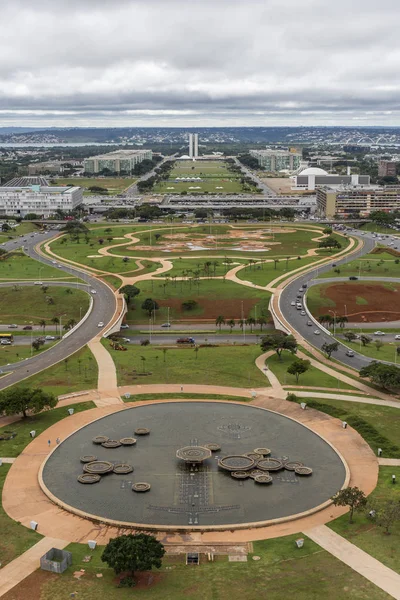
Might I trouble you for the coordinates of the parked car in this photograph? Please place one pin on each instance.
(350, 353)
(303, 313)
(379, 333)
(27, 328)
(397, 337)
(5, 342)
(304, 285)
(124, 326)
(293, 303)
(38, 283)
(127, 340)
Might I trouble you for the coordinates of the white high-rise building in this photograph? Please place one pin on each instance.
(37, 199)
(193, 145)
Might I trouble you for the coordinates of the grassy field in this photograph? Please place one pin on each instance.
(113, 280)
(378, 425)
(13, 354)
(39, 423)
(113, 185)
(313, 376)
(16, 266)
(282, 569)
(23, 228)
(24, 305)
(231, 366)
(15, 539)
(364, 532)
(214, 297)
(387, 352)
(264, 274)
(371, 265)
(189, 268)
(78, 372)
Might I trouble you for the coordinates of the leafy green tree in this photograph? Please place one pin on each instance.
(365, 340)
(189, 305)
(352, 497)
(386, 376)
(387, 512)
(133, 552)
(37, 344)
(251, 321)
(378, 344)
(150, 305)
(327, 230)
(330, 243)
(219, 321)
(130, 291)
(42, 324)
(279, 342)
(330, 348)
(298, 367)
(17, 400)
(350, 336)
(231, 324)
(261, 321)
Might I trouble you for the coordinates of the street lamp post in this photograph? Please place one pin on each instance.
(334, 321)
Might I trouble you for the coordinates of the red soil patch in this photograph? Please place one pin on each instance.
(143, 580)
(383, 302)
(31, 587)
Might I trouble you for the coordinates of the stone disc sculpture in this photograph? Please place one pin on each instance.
(111, 444)
(265, 478)
(239, 474)
(270, 464)
(142, 431)
(89, 478)
(88, 458)
(141, 487)
(100, 439)
(253, 474)
(122, 469)
(236, 462)
(128, 441)
(193, 454)
(99, 467)
(213, 447)
(263, 451)
(303, 470)
(293, 465)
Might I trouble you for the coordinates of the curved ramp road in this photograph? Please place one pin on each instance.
(299, 323)
(104, 305)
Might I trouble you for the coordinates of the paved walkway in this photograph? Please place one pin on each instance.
(107, 388)
(358, 560)
(27, 563)
(389, 462)
(7, 461)
(273, 380)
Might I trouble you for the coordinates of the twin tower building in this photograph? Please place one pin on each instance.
(193, 145)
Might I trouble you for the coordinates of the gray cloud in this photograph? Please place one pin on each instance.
(229, 62)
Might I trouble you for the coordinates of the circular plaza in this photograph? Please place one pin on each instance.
(250, 466)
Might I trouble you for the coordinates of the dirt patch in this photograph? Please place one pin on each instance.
(31, 587)
(144, 580)
(381, 302)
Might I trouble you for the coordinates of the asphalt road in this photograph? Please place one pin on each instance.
(103, 310)
(299, 323)
(165, 339)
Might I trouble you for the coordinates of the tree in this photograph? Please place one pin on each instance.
(378, 344)
(56, 322)
(386, 376)
(279, 342)
(42, 324)
(150, 305)
(189, 304)
(44, 288)
(341, 321)
(261, 321)
(365, 340)
(251, 321)
(350, 336)
(387, 512)
(329, 242)
(298, 367)
(130, 291)
(231, 325)
(196, 349)
(220, 320)
(133, 552)
(5, 227)
(330, 348)
(17, 400)
(327, 230)
(352, 497)
(143, 359)
(37, 344)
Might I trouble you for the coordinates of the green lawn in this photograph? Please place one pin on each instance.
(114, 185)
(267, 272)
(12, 354)
(39, 423)
(378, 425)
(16, 266)
(365, 534)
(387, 352)
(80, 372)
(282, 571)
(370, 265)
(23, 228)
(189, 268)
(313, 376)
(223, 365)
(15, 539)
(22, 305)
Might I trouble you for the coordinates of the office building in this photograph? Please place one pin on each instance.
(40, 200)
(346, 202)
(386, 168)
(313, 178)
(120, 161)
(278, 160)
(193, 145)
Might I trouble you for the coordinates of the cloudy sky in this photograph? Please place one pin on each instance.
(199, 62)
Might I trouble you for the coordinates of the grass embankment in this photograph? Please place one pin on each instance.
(23, 228)
(366, 534)
(220, 365)
(281, 569)
(13, 354)
(16, 266)
(209, 268)
(265, 273)
(23, 305)
(370, 265)
(15, 539)
(387, 352)
(38, 423)
(76, 373)
(378, 425)
(113, 185)
(312, 377)
(214, 297)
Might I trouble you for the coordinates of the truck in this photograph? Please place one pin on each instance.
(186, 340)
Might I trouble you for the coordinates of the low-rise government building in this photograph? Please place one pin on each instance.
(41, 200)
(313, 178)
(119, 161)
(346, 202)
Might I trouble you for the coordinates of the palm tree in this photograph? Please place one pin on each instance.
(196, 349)
(276, 260)
(241, 323)
(143, 359)
(220, 320)
(42, 324)
(341, 321)
(56, 322)
(215, 265)
(251, 321)
(165, 350)
(262, 321)
(231, 324)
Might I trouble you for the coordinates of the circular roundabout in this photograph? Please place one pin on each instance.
(187, 484)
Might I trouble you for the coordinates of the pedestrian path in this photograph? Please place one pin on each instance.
(389, 462)
(107, 386)
(13, 573)
(7, 461)
(358, 560)
(273, 380)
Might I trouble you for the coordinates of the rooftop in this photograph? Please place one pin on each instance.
(118, 154)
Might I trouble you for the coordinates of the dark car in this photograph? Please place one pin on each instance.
(27, 328)
(353, 278)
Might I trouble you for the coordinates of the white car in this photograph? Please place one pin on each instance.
(100, 324)
(379, 333)
(38, 283)
(54, 262)
(50, 337)
(317, 332)
(303, 313)
(293, 303)
(397, 337)
(93, 292)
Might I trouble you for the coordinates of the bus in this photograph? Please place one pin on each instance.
(6, 336)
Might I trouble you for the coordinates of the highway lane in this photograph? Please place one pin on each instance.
(104, 305)
(299, 323)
